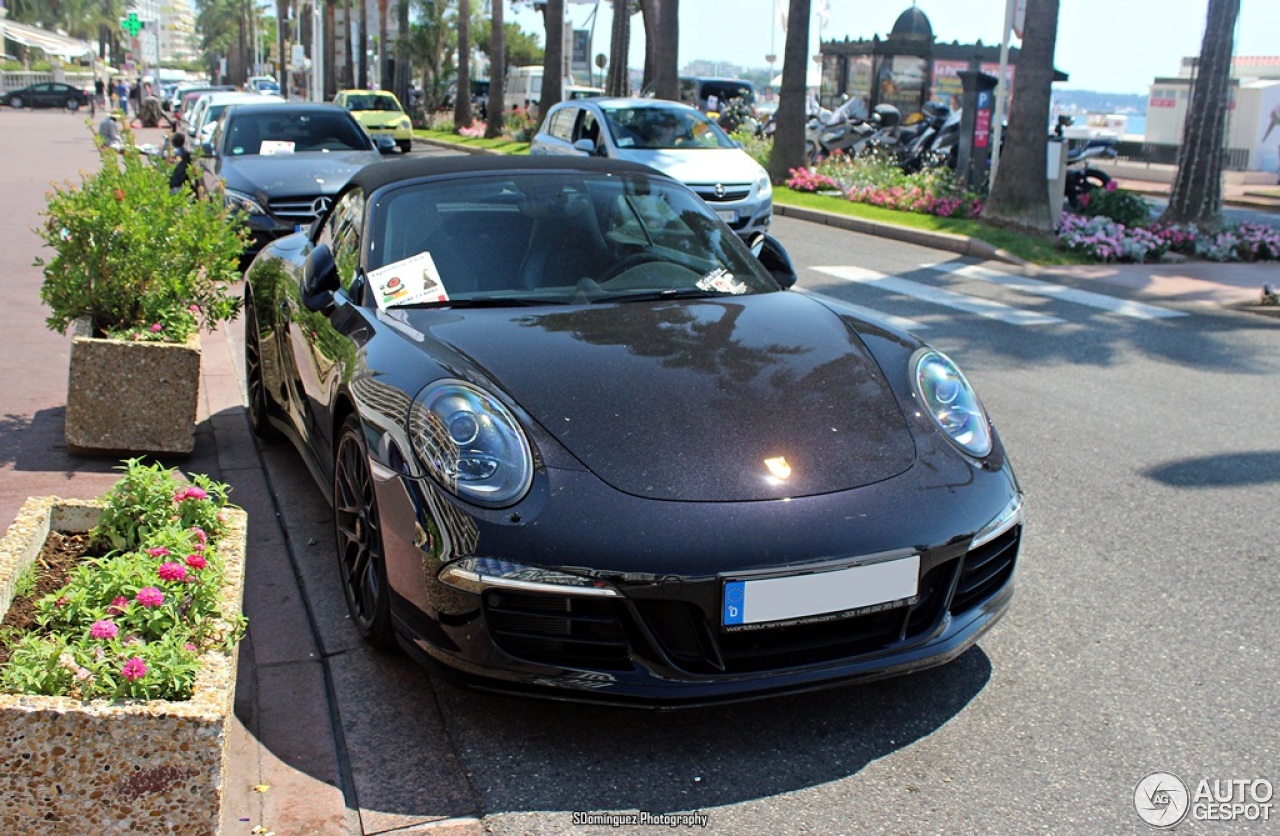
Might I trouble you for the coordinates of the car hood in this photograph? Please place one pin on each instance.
(310, 172)
(702, 165)
(378, 118)
(728, 399)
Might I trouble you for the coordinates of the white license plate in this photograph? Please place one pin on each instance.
(799, 597)
(728, 215)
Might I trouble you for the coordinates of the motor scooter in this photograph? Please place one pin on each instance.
(1083, 178)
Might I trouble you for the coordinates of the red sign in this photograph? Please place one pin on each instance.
(1164, 103)
(981, 129)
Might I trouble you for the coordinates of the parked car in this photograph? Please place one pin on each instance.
(581, 441)
(208, 107)
(715, 93)
(282, 163)
(263, 84)
(47, 94)
(185, 98)
(381, 115)
(671, 137)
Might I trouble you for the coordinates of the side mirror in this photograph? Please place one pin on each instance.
(320, 279)
(586, 146)
(773, 256)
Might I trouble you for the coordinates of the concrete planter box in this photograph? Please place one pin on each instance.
(132, 766)
(136, 397)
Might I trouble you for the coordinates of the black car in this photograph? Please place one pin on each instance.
(47, 94)
(282, 164)
(581, 441)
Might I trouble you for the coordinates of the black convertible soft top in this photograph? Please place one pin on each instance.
(377, 175)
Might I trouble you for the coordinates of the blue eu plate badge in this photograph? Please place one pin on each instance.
(735, 593)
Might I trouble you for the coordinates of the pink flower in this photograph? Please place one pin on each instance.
(1112, 185)
(159, 551)
(200, 535)
(118, 605)
(104, 630)
(190, 492)
(63, 601)
(156, 327)
(172, 572)
(196, 561)
(189, 647)
(134, 669)
(149, 596)
(194, 308)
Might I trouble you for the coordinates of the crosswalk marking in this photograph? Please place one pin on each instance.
(938, 296)
(1121, 307)
(900, 322)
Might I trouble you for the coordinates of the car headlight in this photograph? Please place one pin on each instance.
(951, 402)
(406, 124)
(243, 202)
(471, 444)
(764, 186)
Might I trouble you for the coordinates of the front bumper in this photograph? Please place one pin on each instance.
(658, 641)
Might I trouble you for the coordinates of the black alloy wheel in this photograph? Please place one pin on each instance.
(359, 539)
(259, 408)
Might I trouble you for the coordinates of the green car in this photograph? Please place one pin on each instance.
(381, 115)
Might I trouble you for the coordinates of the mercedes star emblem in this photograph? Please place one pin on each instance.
(321, 205)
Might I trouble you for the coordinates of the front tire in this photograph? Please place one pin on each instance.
(16, 102)
(406, 145)
(73, 105)
(361, 561)
(255, 382)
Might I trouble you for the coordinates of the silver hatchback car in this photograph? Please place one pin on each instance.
(673, 138)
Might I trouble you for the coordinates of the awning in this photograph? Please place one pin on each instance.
(50, 43)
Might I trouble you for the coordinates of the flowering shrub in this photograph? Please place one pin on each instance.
(877, 179)
(1120, 205)
(808, 180)
(520, 125)
(144, 264)
(1105, 240)
(133, 623)
(474, 131)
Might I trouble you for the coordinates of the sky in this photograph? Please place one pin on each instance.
(1109, 46)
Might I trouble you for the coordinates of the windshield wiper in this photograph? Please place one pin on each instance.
(486, 302)
(657, 295)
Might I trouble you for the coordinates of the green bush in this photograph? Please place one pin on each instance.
(141, 262)
(1120, 205)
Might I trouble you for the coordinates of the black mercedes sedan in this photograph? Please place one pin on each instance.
(47, 94)
(582, 441)
(282, 164)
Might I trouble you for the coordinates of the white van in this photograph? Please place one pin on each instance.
(524, 89)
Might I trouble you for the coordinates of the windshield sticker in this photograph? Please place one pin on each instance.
(408, 282)
(721, 281)
(271, 147)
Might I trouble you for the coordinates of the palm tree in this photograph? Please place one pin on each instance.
(619, 44)
(363, 40)
(553, 59)
(381, 69)
(401, 80)
(496, 108)
(1020, 193)
(432, 44)
(1196, 197)
(788, 140)
(462, 117)
(649, 12)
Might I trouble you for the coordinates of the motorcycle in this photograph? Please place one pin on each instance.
(847, 130)
(916, 149)
(1081, 177)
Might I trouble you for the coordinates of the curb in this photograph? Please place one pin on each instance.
(962, 244)
(455, 146)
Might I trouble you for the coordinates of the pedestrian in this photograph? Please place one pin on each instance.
(180, 177)
(122, 96)
(98, 89)
(110, 132)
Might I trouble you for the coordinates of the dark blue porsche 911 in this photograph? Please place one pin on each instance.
(582, 441)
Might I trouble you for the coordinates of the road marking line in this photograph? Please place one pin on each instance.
(1120, 307)
(900, 322)
(939, 296)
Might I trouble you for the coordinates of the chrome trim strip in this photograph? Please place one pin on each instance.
(456, 573)
(1008, 518)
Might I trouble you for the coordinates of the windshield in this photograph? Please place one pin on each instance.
(553, 238)
(265, 130)
(372, 101)
(658, 127)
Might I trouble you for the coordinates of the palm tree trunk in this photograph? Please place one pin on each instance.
(380, 72)
(364, 45)
(495, 110)
(402, 54)
(553, 59)
(788, 140)
(1196, 197)
(1020, 193)
(666, 76)
(650, 11)
(348, 65)
(462, 117)
(619, 45)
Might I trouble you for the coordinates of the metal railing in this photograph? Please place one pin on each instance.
(1160, 153)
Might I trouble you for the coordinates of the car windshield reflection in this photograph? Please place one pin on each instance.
(643, 128)
(553, 239)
